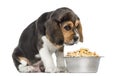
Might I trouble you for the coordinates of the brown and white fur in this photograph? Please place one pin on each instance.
(45, 36)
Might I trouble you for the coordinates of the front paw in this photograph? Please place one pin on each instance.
(52, 70)
(62, 69)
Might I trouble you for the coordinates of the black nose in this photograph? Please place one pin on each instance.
(75, 38)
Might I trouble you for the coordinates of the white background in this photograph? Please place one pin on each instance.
(100, 21)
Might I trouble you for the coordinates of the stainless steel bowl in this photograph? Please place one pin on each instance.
(82, 64)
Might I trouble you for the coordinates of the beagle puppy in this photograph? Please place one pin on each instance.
(45, 36)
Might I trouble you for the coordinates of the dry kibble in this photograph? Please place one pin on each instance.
(83, 52)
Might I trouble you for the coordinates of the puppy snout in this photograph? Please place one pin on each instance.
(75, 38)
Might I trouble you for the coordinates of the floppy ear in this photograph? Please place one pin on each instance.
(79, 28)
(53, 32)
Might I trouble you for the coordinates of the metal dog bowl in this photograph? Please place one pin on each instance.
(82, 64)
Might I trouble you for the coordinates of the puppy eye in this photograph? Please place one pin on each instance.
(77, 26)
(67, 28)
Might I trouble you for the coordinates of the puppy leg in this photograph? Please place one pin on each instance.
(47, 59)
(26, 67)
(60, 60)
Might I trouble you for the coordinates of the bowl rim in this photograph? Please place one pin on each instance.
(85, 57)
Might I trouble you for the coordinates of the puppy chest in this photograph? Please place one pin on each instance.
(48, 45)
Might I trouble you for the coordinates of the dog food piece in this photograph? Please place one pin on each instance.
(83, 52)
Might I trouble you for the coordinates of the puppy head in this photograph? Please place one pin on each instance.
(63, 26)
(72, 32)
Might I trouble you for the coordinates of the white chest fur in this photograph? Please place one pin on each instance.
(48, 45)
(46, 55)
